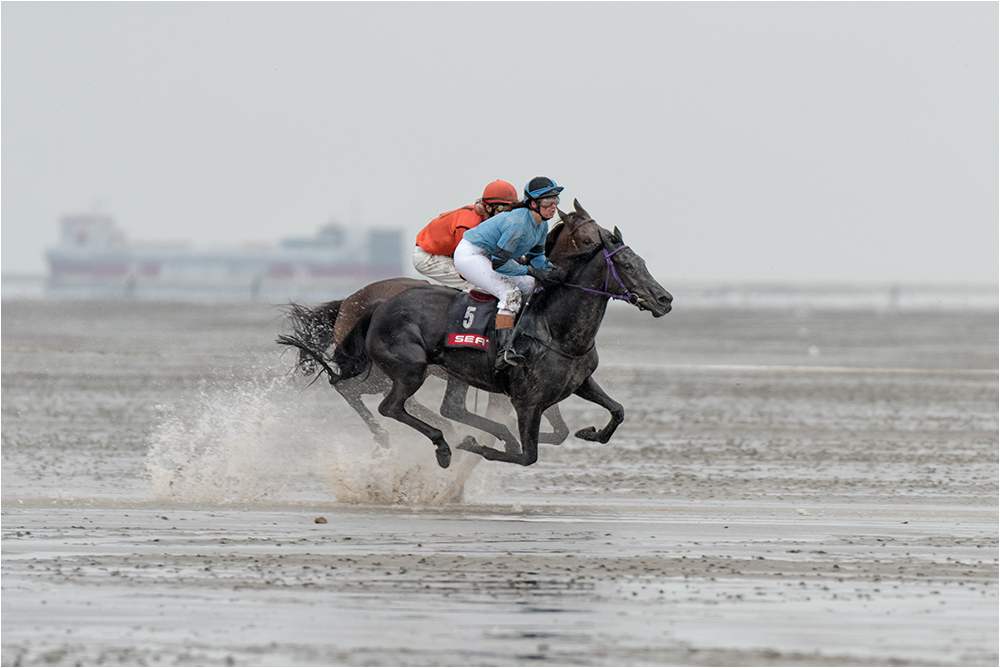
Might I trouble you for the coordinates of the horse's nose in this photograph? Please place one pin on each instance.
(666, 299)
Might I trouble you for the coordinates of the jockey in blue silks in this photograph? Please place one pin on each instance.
(488, 253)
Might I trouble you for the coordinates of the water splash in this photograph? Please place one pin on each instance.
(268, 440)
(224, 448)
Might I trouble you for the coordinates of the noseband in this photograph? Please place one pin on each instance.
(626, 296)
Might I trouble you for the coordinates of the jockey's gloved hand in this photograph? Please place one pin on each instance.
(550, 274)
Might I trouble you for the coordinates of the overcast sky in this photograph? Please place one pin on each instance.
(748, 141)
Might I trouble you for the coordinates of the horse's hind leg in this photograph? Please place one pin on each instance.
(406, 381)
(421, 412)
(352, 391)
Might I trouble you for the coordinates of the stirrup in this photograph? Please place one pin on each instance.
(508, 358)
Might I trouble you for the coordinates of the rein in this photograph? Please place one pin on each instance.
(626, 296)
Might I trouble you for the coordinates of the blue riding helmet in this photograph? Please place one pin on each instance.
(541, 186)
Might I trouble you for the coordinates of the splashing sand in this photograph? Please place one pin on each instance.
(394, 476)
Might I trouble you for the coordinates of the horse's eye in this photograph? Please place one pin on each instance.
(588, 241)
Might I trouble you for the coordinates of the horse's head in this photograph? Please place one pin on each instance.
(594, 258)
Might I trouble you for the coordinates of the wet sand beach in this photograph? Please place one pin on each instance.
(792, 486)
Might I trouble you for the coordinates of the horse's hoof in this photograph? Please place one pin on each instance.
(443, 456)
(588, 434)
(469, 444)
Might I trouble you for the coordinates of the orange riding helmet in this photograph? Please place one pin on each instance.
(499, 192)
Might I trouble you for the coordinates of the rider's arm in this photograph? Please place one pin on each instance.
(502, 257)
(536, 256)
(504, 263)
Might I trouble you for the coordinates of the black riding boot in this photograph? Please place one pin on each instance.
(506, 355)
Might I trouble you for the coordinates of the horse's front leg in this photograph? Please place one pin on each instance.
(591, 391)
(529, 419)
(453, 407)
(500, 407)
(559, 429)
(406, 382)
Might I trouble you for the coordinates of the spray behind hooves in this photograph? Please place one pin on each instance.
(267, 440)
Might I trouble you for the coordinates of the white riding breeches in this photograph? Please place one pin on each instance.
(475, 265)
(440, 268)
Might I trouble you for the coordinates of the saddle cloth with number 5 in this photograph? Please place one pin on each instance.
(469, 319)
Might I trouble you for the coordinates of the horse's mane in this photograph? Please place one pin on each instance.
(569, 224)
(550, 239)
(564, 226)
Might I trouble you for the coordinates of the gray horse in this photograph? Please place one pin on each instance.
(556, 332)
(330, 325)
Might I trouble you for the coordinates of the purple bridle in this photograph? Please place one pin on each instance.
(626, 296)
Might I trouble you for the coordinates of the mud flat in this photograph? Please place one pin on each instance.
(790, 487)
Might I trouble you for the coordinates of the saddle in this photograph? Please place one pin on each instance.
(469, 320)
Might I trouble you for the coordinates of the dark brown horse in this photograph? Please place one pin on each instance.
(556, 333)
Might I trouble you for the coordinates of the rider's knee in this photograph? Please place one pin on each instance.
(511, 303)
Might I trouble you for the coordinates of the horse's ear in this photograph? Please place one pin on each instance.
(570, 220)
(618, 234)
(579, 209)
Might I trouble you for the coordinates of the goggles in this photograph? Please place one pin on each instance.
(548, 201)
(499, 206)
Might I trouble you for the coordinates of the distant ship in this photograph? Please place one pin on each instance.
(93, 259)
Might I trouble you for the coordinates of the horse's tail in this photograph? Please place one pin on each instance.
(312, 334)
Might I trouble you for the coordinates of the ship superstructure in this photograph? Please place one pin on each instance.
(93, 258)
